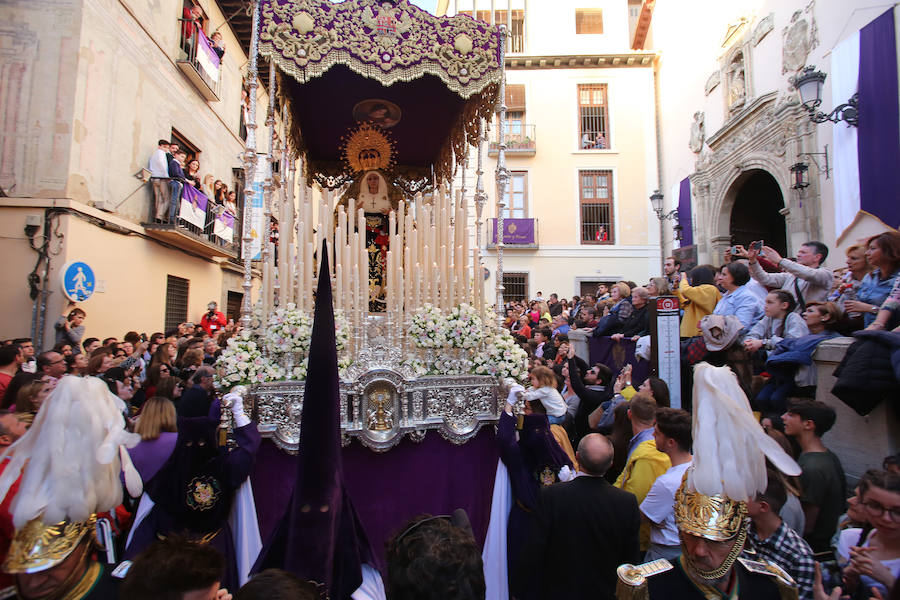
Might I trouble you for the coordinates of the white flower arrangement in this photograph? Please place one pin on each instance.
(418, 366)
(289, 331)
(463, 327)
(428, 328)
(501, 356)
(341, 332)
(242, 363)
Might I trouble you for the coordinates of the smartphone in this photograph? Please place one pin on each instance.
(757, 245)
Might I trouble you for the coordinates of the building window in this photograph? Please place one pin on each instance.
(517, 196)
(190, 149)
(516, 29)
(588, 20)
(515, 286)
(176, 301)
(593, 117)
(595, 188)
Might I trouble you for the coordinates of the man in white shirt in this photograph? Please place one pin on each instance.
(673, 437)
(159, 171)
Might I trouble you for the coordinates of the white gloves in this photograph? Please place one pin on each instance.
(237, 409)
(514, 392)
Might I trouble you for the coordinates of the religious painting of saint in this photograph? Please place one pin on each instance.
(383, 113)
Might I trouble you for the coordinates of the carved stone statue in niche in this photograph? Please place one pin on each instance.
(698, 132)
(737, 82)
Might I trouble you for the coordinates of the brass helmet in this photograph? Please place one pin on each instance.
(717, 518)
(729, 464)
(37, 546)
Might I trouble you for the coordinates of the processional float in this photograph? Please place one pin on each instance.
(379, 103)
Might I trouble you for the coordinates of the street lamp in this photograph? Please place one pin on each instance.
(656, 202)
(800, 175)
(809, 83)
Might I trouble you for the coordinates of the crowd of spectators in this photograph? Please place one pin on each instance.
(759, 313)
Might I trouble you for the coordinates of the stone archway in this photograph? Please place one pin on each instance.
(757, 211)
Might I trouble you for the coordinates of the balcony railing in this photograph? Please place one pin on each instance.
(182, 215)
(517, 233)
(198, 60)
(520, 140)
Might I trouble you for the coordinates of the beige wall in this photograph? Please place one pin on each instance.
(561, 260)
(130, 93)
(38, 56)
(131, 271)
(80, 118)
(550, 26)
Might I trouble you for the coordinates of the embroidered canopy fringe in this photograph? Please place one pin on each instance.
(389, 44)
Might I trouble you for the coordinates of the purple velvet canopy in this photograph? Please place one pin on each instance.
(432, 78)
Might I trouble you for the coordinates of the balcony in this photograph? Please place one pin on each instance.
(198, 61)
(518, 234)
(198, 225)
(520, 141)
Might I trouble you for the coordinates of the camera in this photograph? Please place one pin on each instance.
(757, 245)
(734, 250)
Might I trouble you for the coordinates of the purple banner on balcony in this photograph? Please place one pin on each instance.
(223, 228)
(515, 231)
(207, 57)
(193, 206)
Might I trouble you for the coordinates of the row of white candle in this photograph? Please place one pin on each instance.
(428, 258)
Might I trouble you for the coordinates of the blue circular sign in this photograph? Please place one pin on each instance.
(78, 281)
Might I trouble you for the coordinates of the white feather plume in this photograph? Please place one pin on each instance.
(730, 446)
(71, 455)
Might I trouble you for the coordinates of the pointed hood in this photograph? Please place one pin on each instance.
(320, 537)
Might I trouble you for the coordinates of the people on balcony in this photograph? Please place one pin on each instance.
(192, 175)
(217, 44)
(159, 172)
(176, 181)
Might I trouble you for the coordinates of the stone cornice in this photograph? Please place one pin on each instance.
(582, 61)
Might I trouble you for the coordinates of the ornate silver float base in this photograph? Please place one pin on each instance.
(381, 406)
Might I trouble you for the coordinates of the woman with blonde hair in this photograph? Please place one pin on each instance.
(158, 429)
(32, 395)
(658, 286)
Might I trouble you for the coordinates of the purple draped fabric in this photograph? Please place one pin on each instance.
(515, 231)
(616, 355)
(685, 217)
(879, 124)
(434, 476)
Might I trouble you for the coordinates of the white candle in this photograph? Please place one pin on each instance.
(308, 283)
(417, 286)
(442, 269)
(339, 286)
(354, 248)
(427, 274)
(407, 274)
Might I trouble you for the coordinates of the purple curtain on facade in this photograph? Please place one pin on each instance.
(878, 145)
(685, 217)
(434, 476)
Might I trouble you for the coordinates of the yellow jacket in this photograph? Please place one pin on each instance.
(645, 464)
(697, 302)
